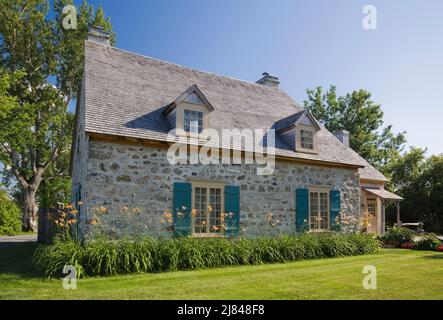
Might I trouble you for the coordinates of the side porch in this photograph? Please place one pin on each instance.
(373, 203)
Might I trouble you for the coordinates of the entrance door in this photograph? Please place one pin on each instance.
(371, 212)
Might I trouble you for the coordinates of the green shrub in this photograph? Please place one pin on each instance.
(104, 257)
(10, 216)
(63, 251)
(398, 236)
(428, 242)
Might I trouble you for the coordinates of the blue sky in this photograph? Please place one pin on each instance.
(306, 44)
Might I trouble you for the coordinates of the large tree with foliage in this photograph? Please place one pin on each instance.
(36, 125)
(358, 114)
(419, 180)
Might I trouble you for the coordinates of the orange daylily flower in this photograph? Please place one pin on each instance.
(103, 210)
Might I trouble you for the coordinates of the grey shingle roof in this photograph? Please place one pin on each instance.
(126, 94)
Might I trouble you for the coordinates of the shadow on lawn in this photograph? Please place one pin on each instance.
(434, 256)
(16, 259)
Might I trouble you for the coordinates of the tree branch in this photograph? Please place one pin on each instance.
(15, 166)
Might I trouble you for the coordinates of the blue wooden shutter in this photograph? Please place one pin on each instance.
(182, 202)
(232, 209)
(302, 210)
(334, 197)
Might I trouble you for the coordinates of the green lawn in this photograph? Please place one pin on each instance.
(402, 274)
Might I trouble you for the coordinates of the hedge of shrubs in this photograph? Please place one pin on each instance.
(102, 257)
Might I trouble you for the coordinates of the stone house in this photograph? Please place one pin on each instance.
(121, 164)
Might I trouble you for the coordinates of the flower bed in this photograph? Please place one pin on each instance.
(104, 257)
(427, 242)
(408, 245)
(406, 239)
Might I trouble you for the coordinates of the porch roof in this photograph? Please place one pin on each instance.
(384, 194)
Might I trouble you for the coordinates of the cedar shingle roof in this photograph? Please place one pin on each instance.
(126, 94)
(292, 119)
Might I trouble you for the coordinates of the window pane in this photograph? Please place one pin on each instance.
(313, 210)
(372, 206)
(200, 223)
(208, 206)
(324, 212)
(193, 121)
(215, 214)
(307, 139)
(319, 210)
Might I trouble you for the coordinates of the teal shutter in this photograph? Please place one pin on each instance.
(334, 198)
(232, 209)
(182, 202)
(302, 210)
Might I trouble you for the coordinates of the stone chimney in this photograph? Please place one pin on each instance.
(268, 80)
(343, 136)
(96, 34)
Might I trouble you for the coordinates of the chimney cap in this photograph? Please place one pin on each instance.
(343, 136)
(97, 34)
(268, 80)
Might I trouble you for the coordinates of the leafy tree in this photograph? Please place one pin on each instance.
(56, 184)
(358, 114)
(36, 125)
(10, 222)
(70, 43)
(419, 180)
(434, 182)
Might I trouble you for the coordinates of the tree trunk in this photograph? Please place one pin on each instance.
(30, 210)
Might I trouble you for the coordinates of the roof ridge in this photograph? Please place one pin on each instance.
(185, 67)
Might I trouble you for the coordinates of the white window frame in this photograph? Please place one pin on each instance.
(192, 123)
(208, 185)
(298, 145)
(180, 117)
(328, 215)
(371, 203)
(308, 132)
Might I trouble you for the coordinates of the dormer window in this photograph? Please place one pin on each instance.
(189, 114)
(307, 139)
(299, 131)
(193, 121)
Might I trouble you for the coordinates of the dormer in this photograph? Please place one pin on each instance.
(299, 131)
(190, 112)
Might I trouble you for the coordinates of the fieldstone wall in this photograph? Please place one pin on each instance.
(129, 188)
(80, 159)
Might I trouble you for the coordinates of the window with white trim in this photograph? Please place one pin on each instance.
(307, 139)
(372, 206)
(318, 210)
(193, 121)
(207, 212)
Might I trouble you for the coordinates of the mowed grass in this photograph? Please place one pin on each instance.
(401, 274)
